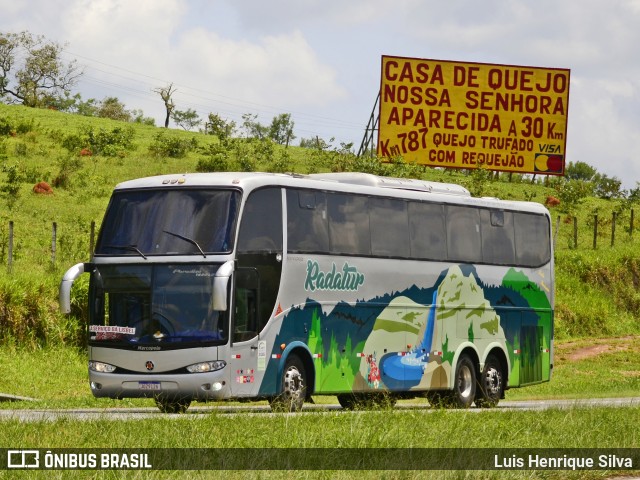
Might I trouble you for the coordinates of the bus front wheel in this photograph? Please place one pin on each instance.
(293, 388)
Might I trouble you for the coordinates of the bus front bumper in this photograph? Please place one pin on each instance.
(194, 386)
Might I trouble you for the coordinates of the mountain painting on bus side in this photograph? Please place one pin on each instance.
(407, 340)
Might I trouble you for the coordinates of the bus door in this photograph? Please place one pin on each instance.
(256, 285)
(245, 342)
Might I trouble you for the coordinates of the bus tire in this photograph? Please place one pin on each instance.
(490, 383)
(293, 389)
(171, 405)
(464, 385)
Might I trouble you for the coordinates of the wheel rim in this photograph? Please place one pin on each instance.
(492, 381)
(293, 384)
(465, 383)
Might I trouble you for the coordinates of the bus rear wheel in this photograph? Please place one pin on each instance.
(293, 389)
(167, 405)
(491, 383)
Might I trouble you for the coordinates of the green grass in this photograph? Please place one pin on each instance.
(596, 428)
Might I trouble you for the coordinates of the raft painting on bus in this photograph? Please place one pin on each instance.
(407, 340)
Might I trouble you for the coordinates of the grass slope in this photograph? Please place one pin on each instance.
(596, 289)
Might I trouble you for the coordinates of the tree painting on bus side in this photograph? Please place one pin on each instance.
(407, 340)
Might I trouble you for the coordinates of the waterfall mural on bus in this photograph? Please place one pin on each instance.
(407, 340)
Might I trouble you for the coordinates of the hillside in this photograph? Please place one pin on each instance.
(83, 158)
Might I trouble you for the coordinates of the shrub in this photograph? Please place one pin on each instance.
(5, 127)
(68, 166)
(217, 159)
(26, 126)
(172, 147)
(102, 142)
(20, 149)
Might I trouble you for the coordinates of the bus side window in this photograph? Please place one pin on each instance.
(261, 227)
(307, 223)
(497, 237)
(532, 239)
(463, 234)
(389, 223)
(349, 232)
(427, 231)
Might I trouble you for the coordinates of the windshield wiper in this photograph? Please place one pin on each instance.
(186, 239)
(131, 248)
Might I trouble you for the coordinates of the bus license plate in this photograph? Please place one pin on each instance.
(149, 386)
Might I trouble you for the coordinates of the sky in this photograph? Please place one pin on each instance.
(320, 61)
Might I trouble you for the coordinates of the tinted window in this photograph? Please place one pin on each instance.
(169, 221)
(532, 239)
(427, 231)
(389, 227)
(307, 223)
(349, 224)
(497, 237)
(261, 226)
(463, 234)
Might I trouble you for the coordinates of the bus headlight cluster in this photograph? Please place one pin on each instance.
(203, 367)
(101, 367)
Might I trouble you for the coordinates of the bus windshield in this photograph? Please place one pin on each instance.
(158, 305)
(169, 222)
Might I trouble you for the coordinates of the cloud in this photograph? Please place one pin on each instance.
(135, 47)
(129, 34)
(277, 69)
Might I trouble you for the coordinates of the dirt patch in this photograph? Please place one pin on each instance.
(588, 352)
(583, 349)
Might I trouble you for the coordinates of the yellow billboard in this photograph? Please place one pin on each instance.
(469, 115)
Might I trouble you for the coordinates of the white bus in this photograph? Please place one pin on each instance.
(271, 286)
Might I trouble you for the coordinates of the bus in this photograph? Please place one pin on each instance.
(280, 287)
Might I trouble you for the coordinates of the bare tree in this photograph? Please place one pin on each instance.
(165, 93)
(32, 71)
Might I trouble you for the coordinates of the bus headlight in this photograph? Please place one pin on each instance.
(101, 367)
(203, 367)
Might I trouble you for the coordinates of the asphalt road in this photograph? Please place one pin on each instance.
(195, 412)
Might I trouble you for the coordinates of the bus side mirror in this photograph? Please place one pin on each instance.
(220, 286)
(70, 276)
